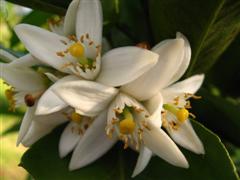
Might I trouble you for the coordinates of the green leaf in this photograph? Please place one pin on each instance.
(37, 18)
(43, 163)
(53, 6)
(219, 114)
(12, 129)
(228, 65)
(209, 25)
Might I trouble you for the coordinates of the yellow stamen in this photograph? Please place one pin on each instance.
(10, 97)
(76, 50)
(9, 94)
(76, 117)
(182, 114)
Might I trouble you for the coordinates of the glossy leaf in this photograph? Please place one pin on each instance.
(219, 113)
(43, 163)
(35, 17)
(210, 26)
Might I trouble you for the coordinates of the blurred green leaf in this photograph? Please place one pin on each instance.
(43, 163)
(209, 25)
(12, 129)
(219, 114)
(228, 68)
(35, 17)
(53, 6)
(4, 108)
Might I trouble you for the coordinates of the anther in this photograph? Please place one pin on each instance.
(29, 100)
(143, 45)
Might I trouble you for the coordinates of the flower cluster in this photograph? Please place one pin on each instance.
(128, 93)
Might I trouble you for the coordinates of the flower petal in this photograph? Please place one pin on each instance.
(25, 61)
(26, 123)
(143, 159)
(6, 56)
(186, 137)
(19, 78)
(154, 107)
(160, 144)
(57, 28)
(41, 126)
(87, 97)
(123, 65)
(44, 45)
(69, 26)
(69, 139)
(190, 85)
(93, 145)
(186, 59)
(89, 20)
(170, 58)
(51, 77)
(49, 101)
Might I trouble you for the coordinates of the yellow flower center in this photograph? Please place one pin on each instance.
(9, 94)
(76, 117)
(127, 125)
(10, 97)
(76, 50)
(182, 114)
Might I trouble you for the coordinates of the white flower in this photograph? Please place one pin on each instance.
(161, 79)
(136, 125)
(26, 88)
(80, 56)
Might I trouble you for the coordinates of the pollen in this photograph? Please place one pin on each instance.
(182, 114)
(9, 94)
(76, 50)
(10, 97)
(127, 126)
(76, 117)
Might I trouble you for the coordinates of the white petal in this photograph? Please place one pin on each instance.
(69, 139)
(170, 58)
(56, 28)
(43, 44)
(190, 85)
(6, 56)
(26, 122)
(87, 97)
(20, 78)
(123, 65)
(154, 107)
(186, 59)
(49, 101)
(143, 160)
(89, 20)
(93, 145)
(25, 61)
(41, 126)
(35, 132)
(69, 26)
(186, 137)
(160, 144)
(51, 77)
(120, 102)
